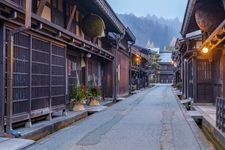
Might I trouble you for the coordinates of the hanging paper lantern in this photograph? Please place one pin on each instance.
(93, 26)
(208, 15)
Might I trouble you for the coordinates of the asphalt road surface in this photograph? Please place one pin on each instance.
(149, 120)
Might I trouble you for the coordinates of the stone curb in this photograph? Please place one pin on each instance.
(52, 127)
(199, 136)
(212, 132)
(15, 144)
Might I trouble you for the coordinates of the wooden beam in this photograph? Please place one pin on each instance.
(41, 7)
(71, 17)
(28, 14)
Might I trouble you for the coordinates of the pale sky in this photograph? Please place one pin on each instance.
(160, 8)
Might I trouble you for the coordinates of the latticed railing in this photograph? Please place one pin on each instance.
(220, 113)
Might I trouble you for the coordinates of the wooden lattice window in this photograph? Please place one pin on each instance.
(38, 75)
(204, 70)
(21, 72)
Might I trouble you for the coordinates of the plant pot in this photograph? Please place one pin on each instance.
(78, 107)
(94, 102)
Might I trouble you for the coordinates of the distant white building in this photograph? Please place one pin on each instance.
(150, 45)
(157, 50)
(165, 57)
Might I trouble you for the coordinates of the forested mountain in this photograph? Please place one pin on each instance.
(160, 31)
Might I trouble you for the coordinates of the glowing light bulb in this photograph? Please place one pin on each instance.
(205, 50)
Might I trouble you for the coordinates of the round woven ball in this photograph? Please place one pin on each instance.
(208, 16)
(93, 26)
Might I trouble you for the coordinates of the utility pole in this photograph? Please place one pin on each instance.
(130, 65)
(10, 61)
(115, 67)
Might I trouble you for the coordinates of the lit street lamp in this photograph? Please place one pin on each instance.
(205, 50)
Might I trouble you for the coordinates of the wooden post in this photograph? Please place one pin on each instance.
(195, 79)
(10, 62)
(71, 17)
(49, 117)
(28, 13)
(28, 25)
(130, 73)
(183, 83)
(28, 123)
(115, 68)
(115, 75)
(2, 77)
(9, 111)
(186, 78)
(86, 72)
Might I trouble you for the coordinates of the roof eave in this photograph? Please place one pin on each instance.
(187, 16)
(107, 9)
(130, 35)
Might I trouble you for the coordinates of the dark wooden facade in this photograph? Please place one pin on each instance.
(176, 61)
(203, 73)
(196, 71)
(47, 55)
(166, 73)
(140, 70)
(166, 67)
(123, 73)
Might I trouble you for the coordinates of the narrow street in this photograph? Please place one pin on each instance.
(149, 120)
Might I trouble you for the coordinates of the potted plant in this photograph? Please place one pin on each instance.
(94, 93)
(179, 86)
(77, 96)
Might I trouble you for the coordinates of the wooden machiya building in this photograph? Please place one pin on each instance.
(139, 71)
(166, 72)
(54, 52)
(202, 50)
(123, 64)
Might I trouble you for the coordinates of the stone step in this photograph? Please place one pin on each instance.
(195, 114)
(14, 143)
(94, 109)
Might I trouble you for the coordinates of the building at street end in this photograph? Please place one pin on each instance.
(166, 73)
(139, 68)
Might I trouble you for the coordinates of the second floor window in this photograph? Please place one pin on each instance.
(58, 12)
